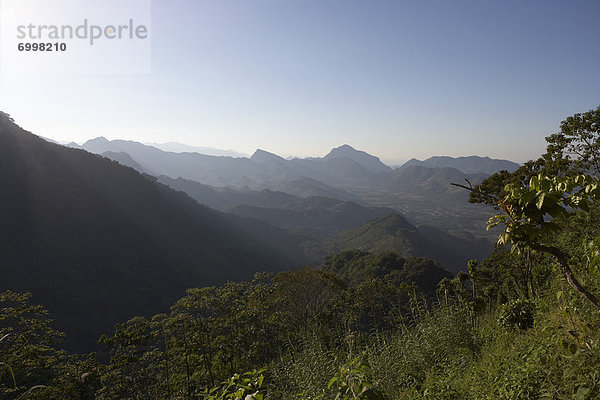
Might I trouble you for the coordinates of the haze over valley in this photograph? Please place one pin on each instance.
(125, 210)
(420, 190)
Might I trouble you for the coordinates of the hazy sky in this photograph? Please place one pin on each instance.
(398, 79)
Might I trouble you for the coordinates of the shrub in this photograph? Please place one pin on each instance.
(517, 313)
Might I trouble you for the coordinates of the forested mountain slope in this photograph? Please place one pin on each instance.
(395, 233)
(97, 242)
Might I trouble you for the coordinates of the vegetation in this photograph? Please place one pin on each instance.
(203, 347)
(521, 324)
(394, 233)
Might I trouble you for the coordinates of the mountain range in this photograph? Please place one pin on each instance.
(97, 242)
(110, 229)
(467, 165)
(176, 147)
(424, 194)
(344, 173)
(322, 226)
(262, 170)
(147, 155)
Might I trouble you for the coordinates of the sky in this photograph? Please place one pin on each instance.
(398, 79)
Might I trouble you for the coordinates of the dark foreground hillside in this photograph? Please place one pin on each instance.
(97, 242)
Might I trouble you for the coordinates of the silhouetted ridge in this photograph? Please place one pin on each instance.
(467, 165)
(123, 159)
(367, 161)
(96, 242)
(264, 156)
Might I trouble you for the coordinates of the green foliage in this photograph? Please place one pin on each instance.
(33, 366)
(352, 382)
(305, 371)
(357, 266)
(517, 313)
(213, 332)
(376, 305)
(134, 363)
(245, 386)
(440, 340)
(533, 214)
(576, 148)
(440, 352)
(572, 151)
(503, 276)
(527, 208)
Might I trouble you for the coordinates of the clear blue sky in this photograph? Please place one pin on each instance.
(398, 79)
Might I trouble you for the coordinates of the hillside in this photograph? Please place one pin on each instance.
(395, 233)
(308, 187)
(431, 184)
(224, 198)
(96, 242)
(316, 217)
(426, 181)
(123, 159)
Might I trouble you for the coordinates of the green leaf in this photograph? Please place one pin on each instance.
(582, 392)
(331, 382)
(10, 370)
(557, 211)
(540, 201)
(527, 198)
(545, 185)
(534, 182)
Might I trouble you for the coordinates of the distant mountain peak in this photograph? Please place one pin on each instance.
(6, 117)
(344, 150)
(261, 155)
(345, 147)
(366, 160)
(99, 139)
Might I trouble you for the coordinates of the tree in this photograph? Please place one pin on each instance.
(32, 366)
(540, 193)
(134, 362)
(576, 148)
(531, 214)
(573, 151)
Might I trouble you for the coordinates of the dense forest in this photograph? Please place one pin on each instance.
(523, 323)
